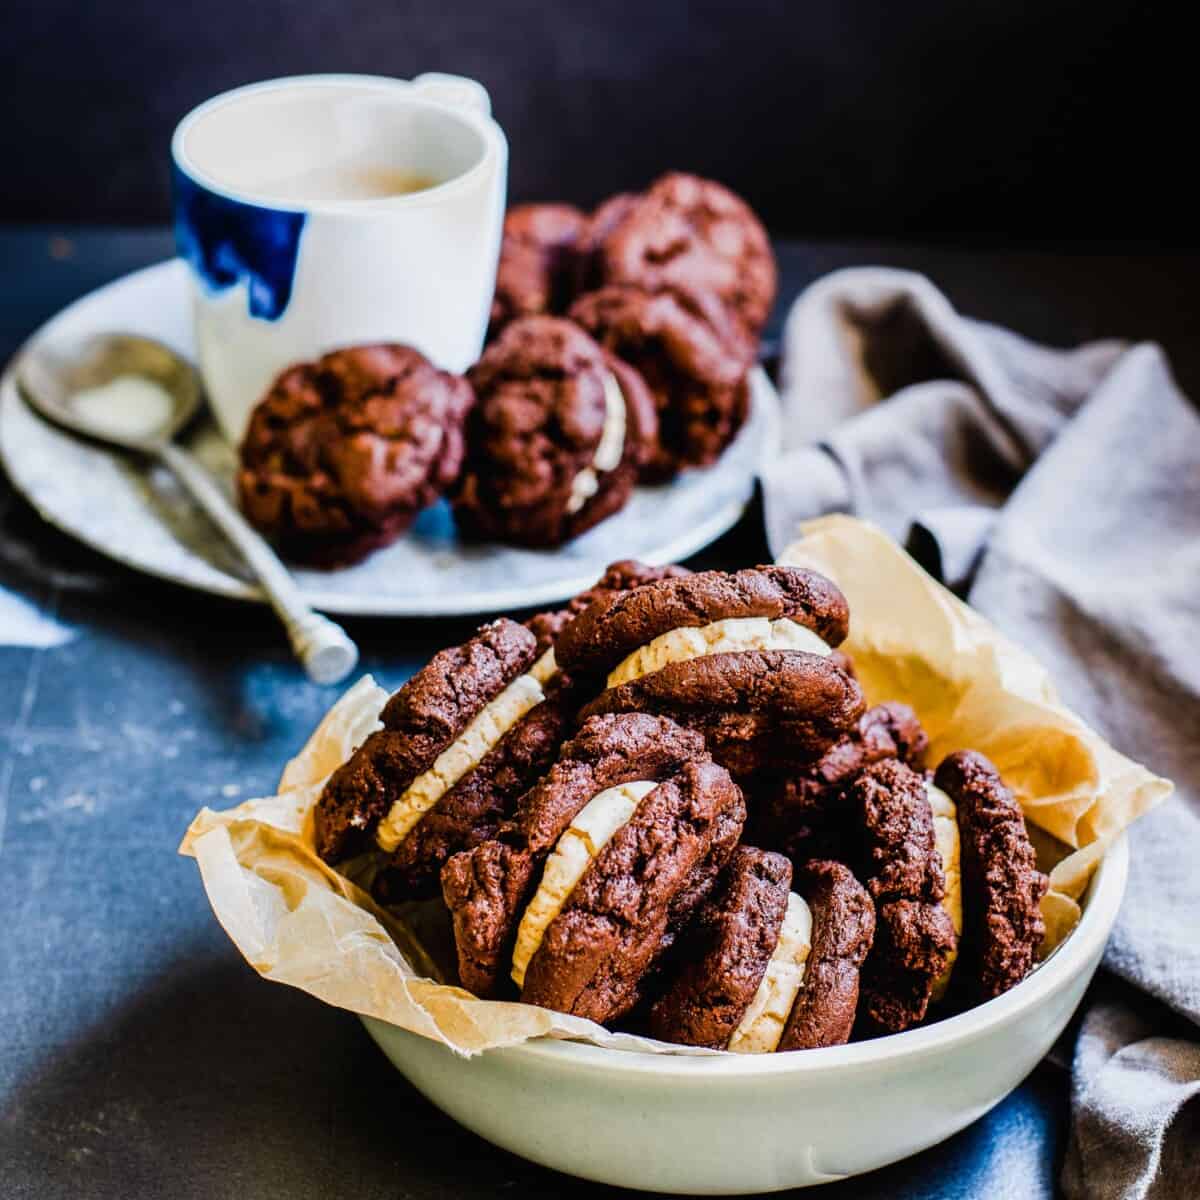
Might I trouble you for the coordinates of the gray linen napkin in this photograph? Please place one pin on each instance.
(1059, 492)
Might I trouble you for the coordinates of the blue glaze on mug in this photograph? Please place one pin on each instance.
(227, 242)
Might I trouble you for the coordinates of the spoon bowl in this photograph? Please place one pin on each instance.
(116, 388)
(138, 395)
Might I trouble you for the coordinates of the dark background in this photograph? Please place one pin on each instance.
(1046, 122)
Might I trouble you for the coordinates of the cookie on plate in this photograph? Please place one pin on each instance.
(805, 813)
(537, 268)
(768, 968)
(742, 657)
(559, 433)
(691, 235)
(604, 860)
(993, 885)
(694, 357)
(342, 453)
(915, 936)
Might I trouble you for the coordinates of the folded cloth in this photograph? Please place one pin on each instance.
(1059, 492)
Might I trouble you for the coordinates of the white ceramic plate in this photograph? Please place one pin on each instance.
(139, 517)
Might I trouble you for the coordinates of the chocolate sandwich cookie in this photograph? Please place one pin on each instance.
(694, 357)
(710, 612)
(742, 657)
(915, 935)
(805, 813)
(603, 860)
(766, 967)
(537, 269)
(1001, 887)
(556, 439)
(693, 235)
(439, 771)
(342, 453)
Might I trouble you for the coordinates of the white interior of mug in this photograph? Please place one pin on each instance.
(299, 143)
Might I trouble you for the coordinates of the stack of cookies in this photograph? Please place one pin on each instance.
(667, 808)
(620, 348)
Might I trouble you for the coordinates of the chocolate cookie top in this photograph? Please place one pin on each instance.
(537, 270)
(843, 926)
(694, 235)
(694, 358)
(608, 632)
(342, 453)
(419, 721)
(615, 922)
(618, 578)
(1002, 887)
(557, 437)
(725, 952)
(757, 710)
(904, 875)
(602, 221)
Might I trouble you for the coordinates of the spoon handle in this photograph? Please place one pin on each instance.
(322, 646)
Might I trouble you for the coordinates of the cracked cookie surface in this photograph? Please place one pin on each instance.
(553, 446)
(342, 453)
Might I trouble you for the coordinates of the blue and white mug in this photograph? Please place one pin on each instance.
(328, 210)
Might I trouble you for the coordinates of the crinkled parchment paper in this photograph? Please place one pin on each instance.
(298, 922)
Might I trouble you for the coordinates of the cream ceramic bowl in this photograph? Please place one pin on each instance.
(737, 1124)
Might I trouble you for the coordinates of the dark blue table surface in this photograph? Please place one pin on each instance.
(139, 1056)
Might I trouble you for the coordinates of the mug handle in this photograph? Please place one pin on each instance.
(455, 91)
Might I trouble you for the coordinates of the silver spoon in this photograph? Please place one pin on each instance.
(80, 393)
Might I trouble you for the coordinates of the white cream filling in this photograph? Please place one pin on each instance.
(591, 830)
(945, 832)
(464, 754)
(763, 1022)
(609, 449)
(721, 637)
(545, 668)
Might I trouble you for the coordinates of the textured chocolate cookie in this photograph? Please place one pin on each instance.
(617, 919)
(425, 719)
(914, 935)
(1001, 885)
(342, 453)
(723, 955)
(843, 927)
(537, 269)
(471, 811)
(603, 219)
(608, 633)
(692, 235)
(694, 357)
(558, 435)
(486, 888)
(618, 578)
(757, 710)
(805, 814)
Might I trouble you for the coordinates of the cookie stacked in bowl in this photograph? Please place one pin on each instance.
(667, 808)
(619, 353)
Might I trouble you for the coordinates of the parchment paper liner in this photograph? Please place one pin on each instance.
(298, 922)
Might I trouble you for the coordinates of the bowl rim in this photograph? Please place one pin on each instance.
(1099, 911)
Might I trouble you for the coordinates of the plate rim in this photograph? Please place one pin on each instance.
(230, 587)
